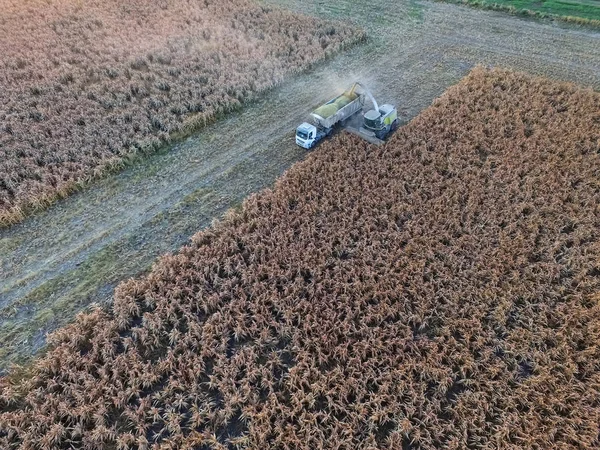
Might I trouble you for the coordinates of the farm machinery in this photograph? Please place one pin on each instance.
(375, 126)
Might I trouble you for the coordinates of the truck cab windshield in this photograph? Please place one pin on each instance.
(302, 134)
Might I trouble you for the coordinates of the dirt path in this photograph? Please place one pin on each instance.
(61, 260)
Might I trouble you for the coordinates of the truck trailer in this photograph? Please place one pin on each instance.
(326, 117)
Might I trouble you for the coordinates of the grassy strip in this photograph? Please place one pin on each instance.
(56, 302)
(142, 150)
(48, 311)
(588, 15)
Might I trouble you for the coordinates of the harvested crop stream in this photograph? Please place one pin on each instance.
(57, 262)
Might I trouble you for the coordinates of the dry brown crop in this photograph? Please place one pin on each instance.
(440, 291)
(86, 85)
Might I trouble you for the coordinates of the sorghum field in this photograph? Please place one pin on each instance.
(440, 291)
(85, 85)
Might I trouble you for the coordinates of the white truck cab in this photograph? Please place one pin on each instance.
(306, 135)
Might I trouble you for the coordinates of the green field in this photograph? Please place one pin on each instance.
(589, 10)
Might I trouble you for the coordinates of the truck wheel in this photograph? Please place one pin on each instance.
(395, 124)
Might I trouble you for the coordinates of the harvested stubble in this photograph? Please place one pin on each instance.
(86, 85)
(440, 291)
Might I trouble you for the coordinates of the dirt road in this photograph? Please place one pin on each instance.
(59, 261)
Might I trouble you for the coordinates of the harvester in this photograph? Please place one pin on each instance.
(376, 123)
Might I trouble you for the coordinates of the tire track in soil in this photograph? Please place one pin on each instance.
(59, 261)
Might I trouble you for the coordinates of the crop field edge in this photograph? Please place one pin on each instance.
(494, 6)
(88, 274)
(145, 148)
